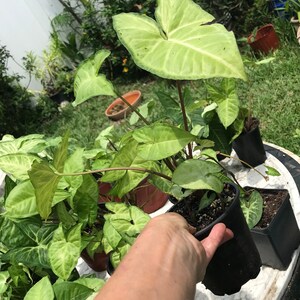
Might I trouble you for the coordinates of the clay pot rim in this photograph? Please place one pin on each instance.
(119, 114)
(268, 26)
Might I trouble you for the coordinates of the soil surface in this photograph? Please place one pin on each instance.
(250, 124)
(272, 200)
(118, 108)
(189, 208)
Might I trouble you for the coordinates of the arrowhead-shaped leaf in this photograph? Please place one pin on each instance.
(179, 44)
(41, 290)
(17, 164)
(45, 182)
(88, 83)
(198, 174)
(159, 141)
(65, 251)
(252, 208)
(227, 100)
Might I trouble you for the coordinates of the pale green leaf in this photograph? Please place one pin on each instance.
(74, 164)
(179, 44)
(271, 171)
(63, 254)
(111, 235)
(4, 276)
(17, 164)
(198, 174)
(117, 256)
(252, 208)
(41, 290)
(88, 83)
(21, 201)
(139, 218)
(159, 141)
(227, 101)
(120, 211)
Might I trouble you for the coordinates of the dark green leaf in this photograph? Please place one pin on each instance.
(45, 182)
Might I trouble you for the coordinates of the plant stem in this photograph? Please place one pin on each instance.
(71, 11)
(226, 155)
(116, 169)
(185, 122)
(133, 108)
(112, 145)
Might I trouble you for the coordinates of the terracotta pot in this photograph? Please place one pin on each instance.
(265, 40)
(277, 242)
(146, 196)
(115, 111)
(236, 261)
(98, 263)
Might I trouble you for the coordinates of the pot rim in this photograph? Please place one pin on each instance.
(235, 201)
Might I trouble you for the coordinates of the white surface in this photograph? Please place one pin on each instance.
(25, 26)
(270, 283)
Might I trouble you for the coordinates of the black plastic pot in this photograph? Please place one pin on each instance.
(236, 261)
(249, 148)
(277, 242)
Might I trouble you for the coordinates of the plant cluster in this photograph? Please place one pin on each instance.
(19, 112)
(55, 189)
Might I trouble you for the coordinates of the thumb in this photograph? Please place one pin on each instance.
(218, 235)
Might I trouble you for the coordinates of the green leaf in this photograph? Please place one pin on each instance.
(227, 100)
(139, 218)
(34, 256)
(159, 141)
(111, 235)
(126, 180)
(252, 208)
(45, 182)
(64, 252)
(206, 200)
(9, 146)
(143, 110)
(17, 164)
(11, 235)
(93, 283)
(41, 290)
(171, 106)
(220, 136)
(88, 83)
(4, 276)
(86, 199)
(198, 174)
(71, 290)
(120, 211)
(61, 153)
(118, 255)
(21, 202)
(271, 171)
(179, 44)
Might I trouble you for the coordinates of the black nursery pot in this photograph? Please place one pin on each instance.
(236, 261)
(277, 242)
(249, 148)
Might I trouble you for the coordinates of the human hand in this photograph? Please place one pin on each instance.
(173, 225)
(165, 262)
